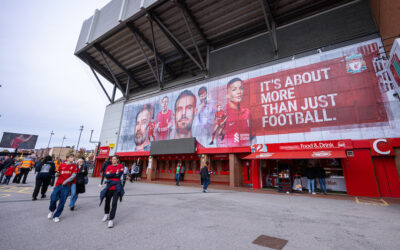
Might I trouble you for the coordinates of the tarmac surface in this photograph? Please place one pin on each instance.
(159, 216)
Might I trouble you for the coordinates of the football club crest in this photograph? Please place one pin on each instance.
(355, 63)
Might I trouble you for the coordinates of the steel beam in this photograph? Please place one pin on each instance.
(193, 41)
(128, 83)
(154, 51)
(165, 29)
(109, 69)
(111, 57)
(145, 56)
(133, 29)
(167, 33)
(98, 67)
(98, 80)
(182, 5)
(270, 25)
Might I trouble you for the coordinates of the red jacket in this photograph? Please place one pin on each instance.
(9, 171)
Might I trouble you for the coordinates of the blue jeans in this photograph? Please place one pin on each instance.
(59, 193)
(311, 185)
(206, 182)
(74, 196)
(177, 177)
(322, 185)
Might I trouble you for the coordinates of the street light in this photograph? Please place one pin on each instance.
(51, 135)
(81, 129)
(61, 146)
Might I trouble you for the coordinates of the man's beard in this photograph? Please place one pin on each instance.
(187, 126)
(139, 138)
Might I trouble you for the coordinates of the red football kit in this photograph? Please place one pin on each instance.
(220, 117)
(163, 120)
(152, 126)
(111, 169)
(65, 170)
(15, 143)
(238, 127)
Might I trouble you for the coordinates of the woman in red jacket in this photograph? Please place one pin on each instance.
(113, 191)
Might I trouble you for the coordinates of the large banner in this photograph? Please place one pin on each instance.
(332, 95)
(21, 141)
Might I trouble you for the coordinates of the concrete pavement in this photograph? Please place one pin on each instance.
(154, 216)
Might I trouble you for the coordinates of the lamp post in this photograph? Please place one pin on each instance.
(81, 129)
(61, 146)
(51, 135)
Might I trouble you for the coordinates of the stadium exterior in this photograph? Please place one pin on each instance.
(259, 88)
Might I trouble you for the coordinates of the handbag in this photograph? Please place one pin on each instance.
(86, 179)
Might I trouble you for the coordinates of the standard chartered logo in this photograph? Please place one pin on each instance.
(236, 137)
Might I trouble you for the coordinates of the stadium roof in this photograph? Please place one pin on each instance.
(122, 40)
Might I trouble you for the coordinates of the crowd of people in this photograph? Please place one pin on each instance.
(69, 178)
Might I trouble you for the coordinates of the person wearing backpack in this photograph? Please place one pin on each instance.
(78, 184)
(45, 171)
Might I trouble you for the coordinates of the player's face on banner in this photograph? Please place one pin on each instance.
(203, 97)
(184, 113)
(142, 124)
(164, 104)
(235, 92)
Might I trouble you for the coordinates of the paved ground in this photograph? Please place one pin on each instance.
(155, 216)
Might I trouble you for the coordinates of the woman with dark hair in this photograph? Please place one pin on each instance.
(113, 190)
(238, 117)
(45, 172)
(78, 185)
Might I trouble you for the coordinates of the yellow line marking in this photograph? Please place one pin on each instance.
(370, 201)
(20, 190)
(4, 195)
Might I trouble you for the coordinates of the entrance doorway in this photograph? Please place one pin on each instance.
(291, 169)
(387, 176)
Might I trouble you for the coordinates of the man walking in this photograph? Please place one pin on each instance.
(205, 177)
(9, 161)
(177, 172)
(321, 175)
(66, 175)
(310, 173)
(26, 165)
(103, 170)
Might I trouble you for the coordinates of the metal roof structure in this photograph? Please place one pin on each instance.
(141, 44)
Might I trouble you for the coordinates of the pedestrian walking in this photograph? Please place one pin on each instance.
(321, 175)
(45, 172)
(182, 172)
(103, 170)
(113, 190)
(125, 174)
(26, 164)
(310, 173)
(37, 163)
(177, 172)
(134, 172)
(9, 161)
(66, 174)
(205, 177)
(78, 184)
(17, 176)
(8, 174)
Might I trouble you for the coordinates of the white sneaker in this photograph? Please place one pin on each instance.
(205, 191)
(313, 193)
(110, 224)
(56, 219)
(50, 215)
(105, 218)
(100, 185)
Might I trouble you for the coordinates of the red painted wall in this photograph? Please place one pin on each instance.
(386, 174)
(360, 175)
(97, 168)
(255, 173)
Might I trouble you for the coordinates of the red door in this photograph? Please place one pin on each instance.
(387, 176)
(247, 173)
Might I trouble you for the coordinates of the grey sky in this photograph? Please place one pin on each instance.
(44, 86)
